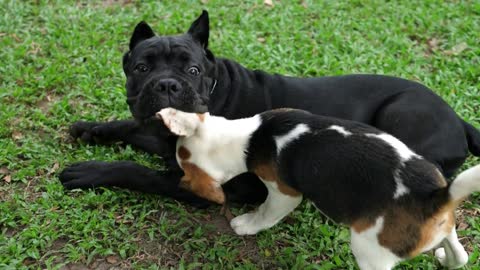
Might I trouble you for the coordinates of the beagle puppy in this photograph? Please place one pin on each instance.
(396, 203)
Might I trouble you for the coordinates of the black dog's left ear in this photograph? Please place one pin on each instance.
(142, 31)
(200, 29)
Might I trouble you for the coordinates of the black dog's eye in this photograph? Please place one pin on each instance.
(141, 68)
(194, 71)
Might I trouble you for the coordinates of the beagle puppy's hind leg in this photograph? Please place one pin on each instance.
(368, 252)
(452, 254)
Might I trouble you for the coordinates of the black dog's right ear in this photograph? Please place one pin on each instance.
(200, 29)
(142, 31)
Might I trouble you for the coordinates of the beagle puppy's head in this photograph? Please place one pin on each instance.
(195, 179)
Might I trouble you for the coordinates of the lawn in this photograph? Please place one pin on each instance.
(60, 61)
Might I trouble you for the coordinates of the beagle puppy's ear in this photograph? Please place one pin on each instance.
(180, 123)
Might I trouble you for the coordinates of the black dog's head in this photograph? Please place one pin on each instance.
(169, 71)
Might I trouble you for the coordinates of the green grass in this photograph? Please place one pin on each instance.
(60, 61)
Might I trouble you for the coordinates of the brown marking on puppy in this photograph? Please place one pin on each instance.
(407, 234)
(201, 116)
(442, 221)
(200, 183)
(440, 178)
(401, 230)
(183, 153)
(268, 172)
(362, 224)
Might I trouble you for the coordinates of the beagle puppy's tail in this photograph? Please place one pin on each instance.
(466, 182)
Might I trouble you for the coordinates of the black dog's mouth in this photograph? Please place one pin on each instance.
(150, 120)
(157, 126)
(160, 92)
(146, 116)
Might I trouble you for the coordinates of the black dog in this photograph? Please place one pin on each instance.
(181, 72)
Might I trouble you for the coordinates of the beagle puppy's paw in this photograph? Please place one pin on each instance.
(246, 225)
(454, 261)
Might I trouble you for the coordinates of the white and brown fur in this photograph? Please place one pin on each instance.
(396, 203)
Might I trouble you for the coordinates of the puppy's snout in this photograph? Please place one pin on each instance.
(168, 85)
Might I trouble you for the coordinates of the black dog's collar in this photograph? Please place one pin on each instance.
(213, 87)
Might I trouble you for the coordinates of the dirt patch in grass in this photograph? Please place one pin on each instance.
(217, 221)
(166, 254)
(462, 224)
(219, 224)
(105, 3)
(100, 264)
(47, 102)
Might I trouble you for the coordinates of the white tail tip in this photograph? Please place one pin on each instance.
(466, 182)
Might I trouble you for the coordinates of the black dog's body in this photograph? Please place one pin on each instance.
(405, 109)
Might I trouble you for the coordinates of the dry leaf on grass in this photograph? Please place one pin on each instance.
(462, 226)
(7, 178)
(35, 48)
(17, 39)
(268, 3)
(432, 44)
(17, 135)
(54, 168)
(29, 261)
(457, 49)
(108, 3)
(112, 259)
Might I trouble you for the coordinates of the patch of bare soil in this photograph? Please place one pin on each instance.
(219, 221)
(462, 224)
(46, 103)
(106, 3)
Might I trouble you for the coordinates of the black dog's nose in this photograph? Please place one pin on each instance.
(170, 85)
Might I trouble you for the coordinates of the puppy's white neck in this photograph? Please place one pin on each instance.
(219, 145)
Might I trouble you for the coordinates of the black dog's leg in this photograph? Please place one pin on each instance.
(245, 188)
(129, 175)
(103, 132)
(127, 131)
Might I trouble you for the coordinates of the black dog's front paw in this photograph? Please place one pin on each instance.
(84, 175)
(127, 174)
(89, 132)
